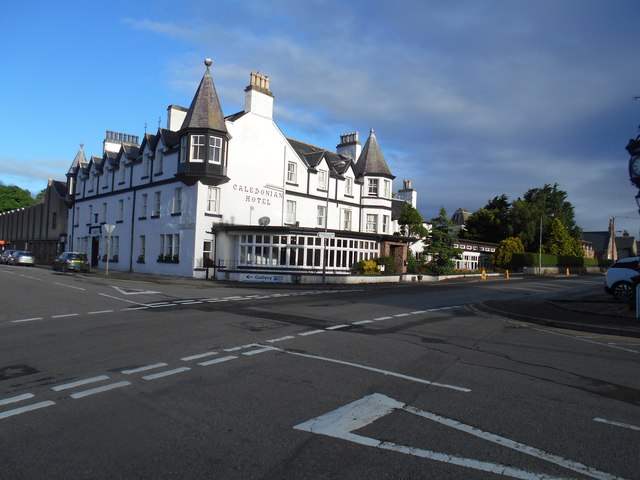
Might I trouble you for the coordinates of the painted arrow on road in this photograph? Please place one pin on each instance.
(342, 422)
(134, 291)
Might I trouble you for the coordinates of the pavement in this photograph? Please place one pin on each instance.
(596, 312)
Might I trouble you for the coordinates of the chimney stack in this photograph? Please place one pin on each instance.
(258, 98)
(349, 146)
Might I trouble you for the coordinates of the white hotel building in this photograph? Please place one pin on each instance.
(233, 196)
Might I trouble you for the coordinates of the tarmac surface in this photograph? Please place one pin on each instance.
(595, 313)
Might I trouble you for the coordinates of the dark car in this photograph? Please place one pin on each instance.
(71, 262)
(5, 257)
(22, 257)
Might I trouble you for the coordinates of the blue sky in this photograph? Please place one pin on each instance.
(469, 99)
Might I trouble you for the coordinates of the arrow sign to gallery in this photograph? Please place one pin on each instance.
(342, 422)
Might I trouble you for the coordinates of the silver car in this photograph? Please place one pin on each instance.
(23, 257)
(6, 256)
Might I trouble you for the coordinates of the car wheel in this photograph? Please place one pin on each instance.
(623, 291)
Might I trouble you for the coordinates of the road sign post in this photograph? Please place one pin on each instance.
(324, 236)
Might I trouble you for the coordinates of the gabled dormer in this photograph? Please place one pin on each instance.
(79, 163)
(204, 139)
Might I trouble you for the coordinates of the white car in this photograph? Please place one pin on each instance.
(618, 278)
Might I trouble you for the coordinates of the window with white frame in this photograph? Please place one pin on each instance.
(143, 205)
(322, 216)
(159, 161)
(292, 174)
(372, 223)
(215, 150)
(104, 212)
(291, 211)
(207, 260)
(169, 247)
(120, 210)
(156, 205)
(385, 224)
(142, 247)
(90, 214)
(114, 246)
(76, 220)
(197, 148)
(348, 186)
(177, 200)
(387, 189)
(346, 219)
(323, 180)
(213, 200)
(373, 187)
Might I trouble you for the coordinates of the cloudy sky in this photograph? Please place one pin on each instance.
(469, 99)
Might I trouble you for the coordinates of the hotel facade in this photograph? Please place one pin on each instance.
(233, 198)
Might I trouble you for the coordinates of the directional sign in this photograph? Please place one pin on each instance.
(108, 228)
(342, 422)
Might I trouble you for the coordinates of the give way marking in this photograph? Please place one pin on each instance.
(133, 291)
(342, 422)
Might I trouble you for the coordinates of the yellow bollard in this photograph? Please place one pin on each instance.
(567, 271)
(506, 274)
(484, 274)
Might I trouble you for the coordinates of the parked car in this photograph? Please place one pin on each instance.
(618, 278)
(22, 257)
(71, 262)
(5, 256)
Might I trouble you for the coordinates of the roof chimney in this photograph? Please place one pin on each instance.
(258, 98)
(349, 146)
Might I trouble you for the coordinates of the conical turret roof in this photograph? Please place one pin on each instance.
(79, 161)
(371, 160)
(205, 111)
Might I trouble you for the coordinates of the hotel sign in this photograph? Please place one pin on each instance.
(258, 195)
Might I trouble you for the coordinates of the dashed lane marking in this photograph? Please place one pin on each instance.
(166, 373)
(144, 368)
(19, 398)
(281, 339)
(310, 332)
(78, 383)
(104, 388)
(65, 315)
(217, 360)
(69, 286)
(258, 351)
(99, 312)
(338, 327)
(33, 319)
(198, 356)
(26, 408)
(616, 424)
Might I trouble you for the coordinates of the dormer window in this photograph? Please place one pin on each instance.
(158, 162)
(322, 180)
(215, 150)
(197, 148)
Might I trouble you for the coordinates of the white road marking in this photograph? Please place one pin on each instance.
(26, 408)
(65, 315)
(241, 347)
(310, 332)
(104, 388)
(27, 320)
(77, 383)
(69, 286)
(19, 398)
(100, 311)
(337, 327)
(362, 322)
(342, 422)
(617, 424)
(584, 339)
(198, 356)
(273, 340)
(32, 278)
(401, 315)
(217, 300)
(258, 351)
(418, 312)
(122, 299)
(376, 370)
(166, 373)
(218, 360)
(134, 291)
(379, 319)
(144, 368)
(164, 305)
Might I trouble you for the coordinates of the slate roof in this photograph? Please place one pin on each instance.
(599, 240)
(313, 155)
(371, 161)
(205, 111)
(80, 161)
(397, 206)
(60, 188)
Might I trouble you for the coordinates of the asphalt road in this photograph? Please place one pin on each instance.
(118, 379)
